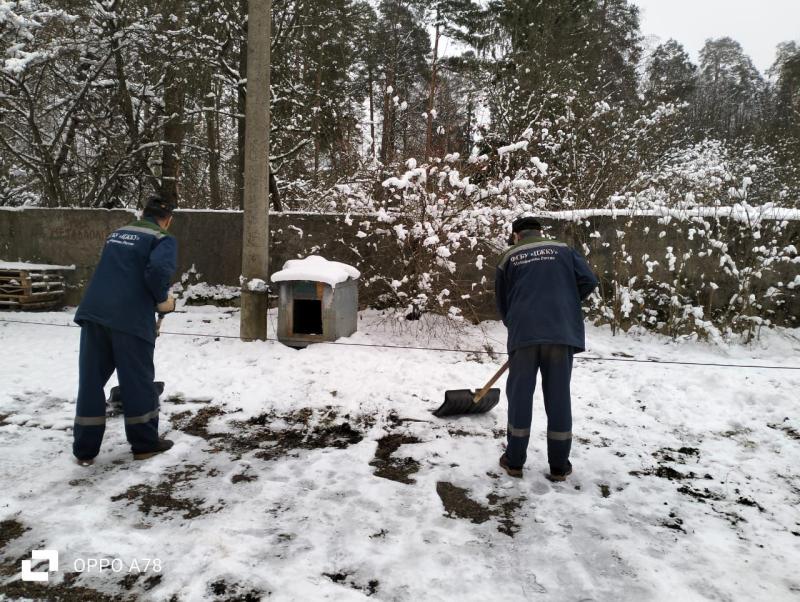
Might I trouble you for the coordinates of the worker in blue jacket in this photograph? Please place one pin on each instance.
(539, 286)
(118, 330)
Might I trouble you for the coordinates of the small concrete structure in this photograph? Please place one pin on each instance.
(317, 301)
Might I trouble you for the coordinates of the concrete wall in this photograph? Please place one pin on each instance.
(210, 241)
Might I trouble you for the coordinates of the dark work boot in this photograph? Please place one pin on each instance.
(512, 471)
(559, 474)
(163, 445)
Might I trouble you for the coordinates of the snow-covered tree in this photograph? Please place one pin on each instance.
(670, 75)
(730, 91)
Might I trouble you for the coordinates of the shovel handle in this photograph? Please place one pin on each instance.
(158, 324)
(479, 395)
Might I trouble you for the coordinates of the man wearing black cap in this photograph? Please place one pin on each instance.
(118, 331)
(539, 286)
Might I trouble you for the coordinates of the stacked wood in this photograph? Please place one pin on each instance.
(31, 287)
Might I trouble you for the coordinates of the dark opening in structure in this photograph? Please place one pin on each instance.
(307, 316)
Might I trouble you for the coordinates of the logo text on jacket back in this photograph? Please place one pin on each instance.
(533, 255)
(123, 238)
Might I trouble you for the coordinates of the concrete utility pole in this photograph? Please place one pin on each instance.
(255, 235)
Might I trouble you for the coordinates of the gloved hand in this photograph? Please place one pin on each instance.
(167, 305)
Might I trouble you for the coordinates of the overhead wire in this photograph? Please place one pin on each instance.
(489, 352)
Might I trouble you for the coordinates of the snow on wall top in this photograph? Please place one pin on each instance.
(20, 265)
(316, 268)
(740, 212)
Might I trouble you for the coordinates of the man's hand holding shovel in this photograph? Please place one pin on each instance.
(165, 307)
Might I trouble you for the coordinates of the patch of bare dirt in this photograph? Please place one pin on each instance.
(673, 522)
(505, 509)
(307, 430)
(196, 423)
(132, 580)
(369, 588)
(234, 592)
(66, 591)
(746, 501)
(10, 530)
(679, 456)
(387, 465)
(458, 504)
(162, 497)
(792, 433)
(663, 472)
(666, 456)
(303, 429)
(700, 496)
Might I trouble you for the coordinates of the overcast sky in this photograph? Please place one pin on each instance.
(758, 25)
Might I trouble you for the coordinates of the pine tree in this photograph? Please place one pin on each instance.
(730, 91)
(401, 45)
(670, 75)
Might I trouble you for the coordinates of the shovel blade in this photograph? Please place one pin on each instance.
(458, 402)
(115, 397)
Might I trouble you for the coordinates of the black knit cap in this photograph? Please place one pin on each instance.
(522, 224)
(159, 206)
(525, 223)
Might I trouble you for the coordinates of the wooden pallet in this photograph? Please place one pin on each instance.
(31, 288)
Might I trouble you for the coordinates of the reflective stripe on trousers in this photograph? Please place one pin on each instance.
(142, 419)
(514, 432)
(90, 420)
(555, 364)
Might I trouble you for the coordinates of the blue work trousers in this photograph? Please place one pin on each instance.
(102, 351)
(555, 364)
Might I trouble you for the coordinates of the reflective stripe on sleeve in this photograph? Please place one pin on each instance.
(142, 230)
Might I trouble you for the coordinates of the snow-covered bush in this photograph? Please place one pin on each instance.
(675, 267)
(192, 290)
(695, 221)
(709, 173)
(704, 272)
(434, 218)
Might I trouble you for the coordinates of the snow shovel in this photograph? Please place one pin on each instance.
(115, 398)
(465, 401)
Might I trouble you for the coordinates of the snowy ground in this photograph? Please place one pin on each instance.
(320, 474)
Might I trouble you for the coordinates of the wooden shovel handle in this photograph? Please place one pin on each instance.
(479, 395)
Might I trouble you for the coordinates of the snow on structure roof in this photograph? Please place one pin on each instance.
(316, 268)
(20, 265)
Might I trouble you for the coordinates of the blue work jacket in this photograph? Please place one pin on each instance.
(133, 275)
(539, 286)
